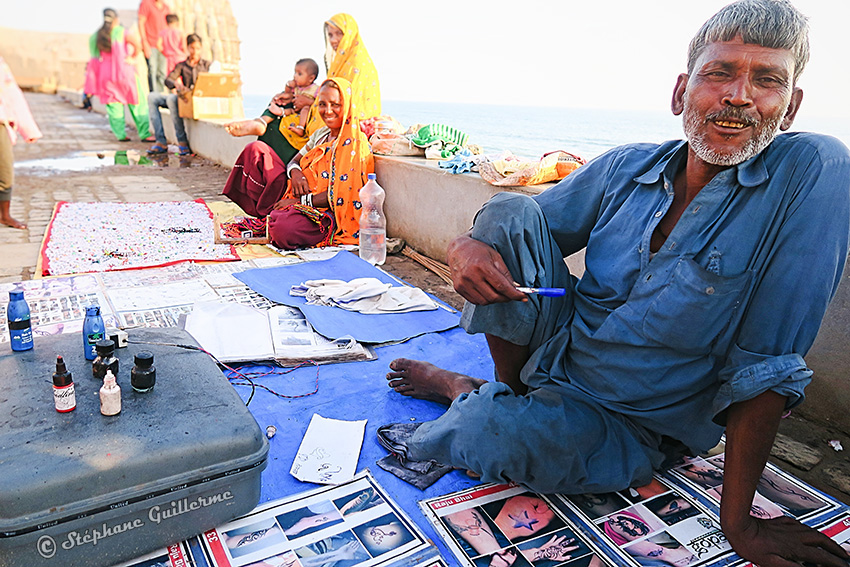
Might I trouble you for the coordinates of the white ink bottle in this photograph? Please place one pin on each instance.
(110, 395)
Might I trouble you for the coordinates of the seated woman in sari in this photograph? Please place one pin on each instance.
(321, 205)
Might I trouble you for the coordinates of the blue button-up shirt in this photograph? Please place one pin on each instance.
(726, 308)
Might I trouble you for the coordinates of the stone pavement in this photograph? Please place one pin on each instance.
(63, 166)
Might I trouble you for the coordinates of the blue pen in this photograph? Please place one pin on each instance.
(544, 291)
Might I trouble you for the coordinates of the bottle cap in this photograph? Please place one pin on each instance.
(62, 376)
(109, 379)
(105, 346)
(16, 295)
(143, 359)
(371, 176)
(93, 310)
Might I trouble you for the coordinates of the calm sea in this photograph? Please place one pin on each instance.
(533, 131)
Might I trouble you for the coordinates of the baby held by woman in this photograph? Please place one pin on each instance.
(299, 90)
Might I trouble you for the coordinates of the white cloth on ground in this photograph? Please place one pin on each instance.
(369, 296)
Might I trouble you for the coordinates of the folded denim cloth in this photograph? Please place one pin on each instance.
(421, 474)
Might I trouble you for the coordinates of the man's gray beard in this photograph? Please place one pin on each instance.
(765, 132)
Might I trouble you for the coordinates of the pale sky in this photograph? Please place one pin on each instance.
(617, 54)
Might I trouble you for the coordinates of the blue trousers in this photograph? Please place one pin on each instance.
(556, 438)
(169, 101)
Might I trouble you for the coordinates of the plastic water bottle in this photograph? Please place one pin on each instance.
(20, 326)
(373, 223)
(93, 331)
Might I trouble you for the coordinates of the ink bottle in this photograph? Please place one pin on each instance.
(18, 317)
(64, 397)
(93, 330)
(110, 395)
(143, 374)
(105, 360)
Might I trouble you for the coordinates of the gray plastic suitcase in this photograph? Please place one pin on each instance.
(82, 489)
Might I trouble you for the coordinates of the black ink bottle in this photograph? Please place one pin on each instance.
(143, 375)
(105, 360)
(63, 388)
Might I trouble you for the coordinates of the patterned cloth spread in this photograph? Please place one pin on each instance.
(352, 62)
(340, 167)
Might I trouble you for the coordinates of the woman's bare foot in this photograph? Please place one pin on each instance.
(7, 219)
(14, 223)
(245, 128)
(425, 381)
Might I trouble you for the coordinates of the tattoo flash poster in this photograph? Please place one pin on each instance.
(177, 555)
(777, 493)
(655, 526)
(347, 525)
(500, 525)
(839, 531)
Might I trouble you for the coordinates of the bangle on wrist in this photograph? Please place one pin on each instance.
(292, 166)
(304, 200)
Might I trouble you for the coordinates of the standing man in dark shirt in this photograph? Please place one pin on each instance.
(187, 71)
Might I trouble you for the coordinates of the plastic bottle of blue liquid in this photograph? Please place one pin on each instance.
(20, 327)
(93, 331)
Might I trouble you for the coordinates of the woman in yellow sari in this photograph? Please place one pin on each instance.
(322, 206)
(346, 57)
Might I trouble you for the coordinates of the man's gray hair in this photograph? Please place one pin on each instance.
(770, 23)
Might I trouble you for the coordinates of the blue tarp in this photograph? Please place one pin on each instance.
(355, 391)
(333, 322)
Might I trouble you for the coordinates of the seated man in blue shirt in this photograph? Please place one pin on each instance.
(709, 266)
(187, 71)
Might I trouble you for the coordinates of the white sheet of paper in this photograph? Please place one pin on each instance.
(329, 451)
(231, 331)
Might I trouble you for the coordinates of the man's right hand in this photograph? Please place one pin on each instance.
(479, 273)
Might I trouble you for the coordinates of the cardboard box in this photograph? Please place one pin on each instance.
(215, 95)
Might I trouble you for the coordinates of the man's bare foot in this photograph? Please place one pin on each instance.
(425, 381)
(13, 223)
(245, 128)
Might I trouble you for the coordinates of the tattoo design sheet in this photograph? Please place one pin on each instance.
(500, 525)
(777, 493)
(655, 525)
(177, 555)
(347, 525)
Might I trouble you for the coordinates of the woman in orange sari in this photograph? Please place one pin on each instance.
(321, 205)
(346, 57)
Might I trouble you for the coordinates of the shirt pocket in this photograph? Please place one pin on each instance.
(694, 307)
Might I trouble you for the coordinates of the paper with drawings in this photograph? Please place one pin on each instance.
(329, 451)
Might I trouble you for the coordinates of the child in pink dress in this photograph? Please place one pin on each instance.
(172, 43)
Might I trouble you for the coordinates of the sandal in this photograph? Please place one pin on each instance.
(156, 149)
(149, 139)
(184, 150)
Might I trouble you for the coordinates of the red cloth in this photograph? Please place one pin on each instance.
(154, 20)
(257, 180)
(290, 229)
